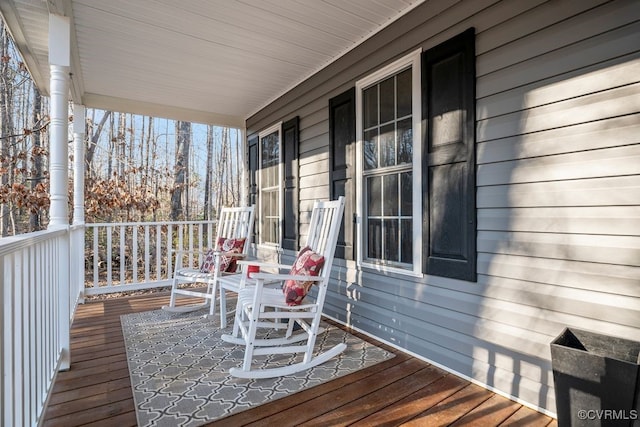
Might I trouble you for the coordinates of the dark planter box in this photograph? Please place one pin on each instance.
(596, 379)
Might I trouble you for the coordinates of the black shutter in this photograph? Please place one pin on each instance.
(342, 137)
(253, 144)
(449, 211)
(290, 130)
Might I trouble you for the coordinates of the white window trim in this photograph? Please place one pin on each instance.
(411, 60)
(275, 128)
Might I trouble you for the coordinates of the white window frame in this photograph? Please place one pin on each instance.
(277, 128)
(412, 60)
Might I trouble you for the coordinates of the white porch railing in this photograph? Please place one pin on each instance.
(140, 255)
(37, 306)
(44, 275)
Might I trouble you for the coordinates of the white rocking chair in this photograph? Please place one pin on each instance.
(259, 307)
(234, 225)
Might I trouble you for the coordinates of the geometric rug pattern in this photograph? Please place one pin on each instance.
(179, 368)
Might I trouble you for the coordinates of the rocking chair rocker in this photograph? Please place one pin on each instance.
(261, 307)
(232, 242)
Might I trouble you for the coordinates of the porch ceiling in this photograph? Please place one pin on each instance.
(209, 61)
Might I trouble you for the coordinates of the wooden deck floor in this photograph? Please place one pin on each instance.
(96, 390)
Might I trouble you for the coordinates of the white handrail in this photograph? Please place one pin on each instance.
(34, 322)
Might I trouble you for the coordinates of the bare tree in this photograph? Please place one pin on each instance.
(208, 175)
(6, 122)
(238, 168)
(37, 173)
(111, 149)
(93, 142)
(181, 169)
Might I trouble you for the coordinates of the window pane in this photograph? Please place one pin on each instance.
(266, 207)
(370, 107)
(390, 202)
(274, 203)
(387, 145)
(406, 194)
(374, 196)
(406, 241)
(371, 149)
(270, 176)
(391, 239)
(404, 93)
(387, 100)
(268, 235)
(374, 238)
(272, 230)
(405, 141)
(270, 149)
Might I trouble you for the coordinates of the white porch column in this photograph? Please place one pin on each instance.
(244, 161)
(78, 163)
(59, 63)
(76, 262)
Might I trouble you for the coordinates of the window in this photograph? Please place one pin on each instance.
(415, 163)
(270, 184)
(388, 112)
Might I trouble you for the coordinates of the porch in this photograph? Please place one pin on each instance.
(403, 390)
(553, 206)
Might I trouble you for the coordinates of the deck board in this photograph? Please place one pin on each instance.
(414, 404)
(403, 390)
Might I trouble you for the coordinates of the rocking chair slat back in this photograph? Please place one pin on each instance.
(233, 223)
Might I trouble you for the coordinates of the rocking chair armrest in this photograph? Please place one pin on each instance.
(262, 264)
(180, 254)
(231, 255)
(282, 277)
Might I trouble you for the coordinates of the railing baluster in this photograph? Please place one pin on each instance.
(134, 255)
(41, 383)
(123, 255)
(180, 237)
(169, 251)
(32, 399)
(109, 257)
(24, 337)
(159, 252)
(49, 315)
(9, 328)
(147, 254)
(190, 239)
(4, 354)
(96, 258)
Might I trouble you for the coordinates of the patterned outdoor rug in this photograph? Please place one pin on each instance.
(179, 368)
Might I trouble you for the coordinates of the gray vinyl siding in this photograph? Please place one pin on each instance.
(558, 188)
